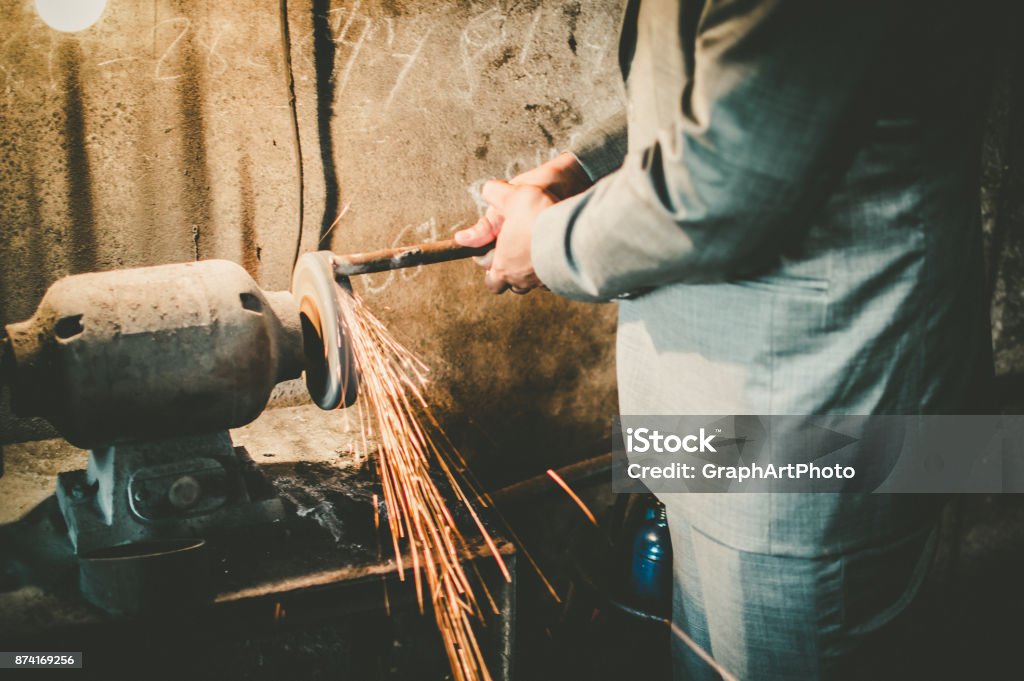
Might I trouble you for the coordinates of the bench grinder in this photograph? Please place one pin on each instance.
(148, 368)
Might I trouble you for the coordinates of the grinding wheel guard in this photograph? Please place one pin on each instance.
(331, 376)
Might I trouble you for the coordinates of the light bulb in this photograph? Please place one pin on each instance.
(70, 15)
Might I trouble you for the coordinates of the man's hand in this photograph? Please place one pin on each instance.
(513, 206)
(509, 219)
(562, 177)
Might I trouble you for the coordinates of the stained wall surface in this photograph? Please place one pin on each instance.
(176, 130)
(182, 129)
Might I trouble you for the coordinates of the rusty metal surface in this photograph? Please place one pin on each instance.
(402, 257)
(152, 352)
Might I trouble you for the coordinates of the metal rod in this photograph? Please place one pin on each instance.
(404, 256)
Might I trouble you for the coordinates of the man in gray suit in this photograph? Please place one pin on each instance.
(787, 211)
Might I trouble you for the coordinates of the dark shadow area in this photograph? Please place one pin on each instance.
(325, 633)
(1009, 392)
(82, 227)
(250, 247)
(359, 625)
(506, 436)
(969, 623)
(1007, 164)
(966, 623)
(323, 54)
(300, 185)
(196, 188)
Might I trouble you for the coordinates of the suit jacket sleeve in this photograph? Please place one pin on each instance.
(602, 150)
(751, 148)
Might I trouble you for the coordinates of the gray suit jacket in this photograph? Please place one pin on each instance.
(788, 210)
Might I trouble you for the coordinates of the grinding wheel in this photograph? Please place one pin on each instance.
(330, 372)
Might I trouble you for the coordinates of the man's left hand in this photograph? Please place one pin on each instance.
(510, 217)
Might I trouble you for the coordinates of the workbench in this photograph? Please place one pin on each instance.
(315, 596)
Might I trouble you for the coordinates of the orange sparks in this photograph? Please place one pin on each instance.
(410, 446)
(568, 490)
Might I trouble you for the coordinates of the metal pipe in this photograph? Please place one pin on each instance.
(404, 256)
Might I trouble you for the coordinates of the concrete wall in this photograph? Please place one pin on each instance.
(166, 133)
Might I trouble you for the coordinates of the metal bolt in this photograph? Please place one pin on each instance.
(184, 492)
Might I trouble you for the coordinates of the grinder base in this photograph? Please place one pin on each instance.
(172, 488)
